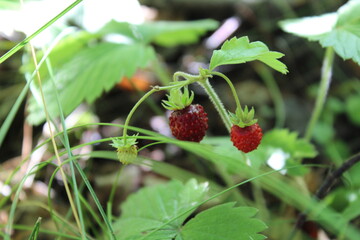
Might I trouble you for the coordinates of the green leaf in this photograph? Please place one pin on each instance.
(89, 73)
(224, 222)
(281, 148)
(289, 143)
(340, 30)
(240, 50)
(164, 33)
(35, 232)
(151, 207)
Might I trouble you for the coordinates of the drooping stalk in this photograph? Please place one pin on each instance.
(141, 100)
(233, 90)
(326, 73)
(127, 121)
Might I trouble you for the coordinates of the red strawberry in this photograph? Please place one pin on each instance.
(189, 123)
(247, 138)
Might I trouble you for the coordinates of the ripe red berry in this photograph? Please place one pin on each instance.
(247, 138)
(189, 123)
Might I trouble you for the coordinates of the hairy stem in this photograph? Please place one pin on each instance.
(217, 103)
(326, 73)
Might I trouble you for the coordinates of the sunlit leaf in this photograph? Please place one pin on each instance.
(151, 207)
(164, 33)
(240, 50)
(88, 74)
(224, 222)
(340, 30)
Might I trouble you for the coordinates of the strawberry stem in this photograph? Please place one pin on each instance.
(142, 99)
(233, 90)
(190, 77)
(217, 103)
(326, 73)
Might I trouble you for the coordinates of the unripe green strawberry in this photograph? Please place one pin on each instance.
(246, 138)
(189, 123)
(126, 149)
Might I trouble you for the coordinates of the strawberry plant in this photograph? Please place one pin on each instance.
(184, 154)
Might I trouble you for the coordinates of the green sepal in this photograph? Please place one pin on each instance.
(126, 149)
(243, 118)
(177, 99)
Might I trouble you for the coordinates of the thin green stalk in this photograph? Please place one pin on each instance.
(187, 76)
(141, 100)
(96, 200)
(233, 90)
(44, 231)
(10, 117)
(10, 221)
(326, 73)
(21, 44)
(67, 147)
(112, 193)
(131, 113)
(230, 182)
(217, 103)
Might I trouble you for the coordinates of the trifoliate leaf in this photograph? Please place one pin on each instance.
(289, 143)
(240, 50)
(164, 33)
(224, 222)
(281, 148)
(340, 30)
(151, 207)
(86, 75)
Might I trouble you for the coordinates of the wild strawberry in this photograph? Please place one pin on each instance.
(245, 134)
(187, 121)
(126, 148)
(190, 123)
(247, 138)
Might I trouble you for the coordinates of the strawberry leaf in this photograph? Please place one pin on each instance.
(280, 148)
(240, 50)
(339, 30)
(164, 33)
(151, 207)
(224, 222)
(87, 75)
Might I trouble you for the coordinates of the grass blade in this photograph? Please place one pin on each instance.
(35, 231)
(21, 44)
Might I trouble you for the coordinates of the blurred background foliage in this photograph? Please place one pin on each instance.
(171, 36)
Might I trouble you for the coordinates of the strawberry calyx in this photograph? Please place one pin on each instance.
(126, 148)
(177, 99)
(243, 118)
